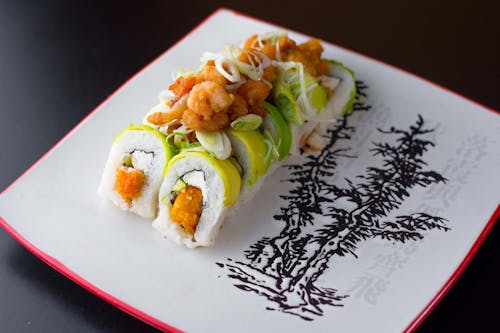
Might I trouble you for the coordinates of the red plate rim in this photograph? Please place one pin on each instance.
(64, 270)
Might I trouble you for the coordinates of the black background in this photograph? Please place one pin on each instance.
(59, 60)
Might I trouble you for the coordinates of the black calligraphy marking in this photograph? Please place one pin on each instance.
(285, 268)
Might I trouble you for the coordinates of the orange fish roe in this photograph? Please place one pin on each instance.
(128, 183)
(186, 209)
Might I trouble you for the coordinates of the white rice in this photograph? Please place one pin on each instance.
(198, 172)
(148, 155)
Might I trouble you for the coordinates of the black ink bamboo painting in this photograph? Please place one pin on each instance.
(285, 268)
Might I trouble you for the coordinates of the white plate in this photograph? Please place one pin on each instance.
(362, 268)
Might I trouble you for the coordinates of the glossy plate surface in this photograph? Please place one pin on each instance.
(377, 226)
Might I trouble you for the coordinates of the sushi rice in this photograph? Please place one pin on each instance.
(144, 149)
(219, 182)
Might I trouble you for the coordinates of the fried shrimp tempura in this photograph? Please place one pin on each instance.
(207, 104)
(209, 73)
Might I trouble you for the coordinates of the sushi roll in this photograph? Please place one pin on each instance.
(217, 133)
(134, 170)
(197, 194)
(253, 155)
(310, 104)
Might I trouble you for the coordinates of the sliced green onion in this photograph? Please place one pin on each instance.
(248, 122)
(226, 67)
(191, 145)
(179, 139)
(272, 147)
(252, 71)
(344, 95)
(285, 101)
(277, 129)
(174, 134)
(206, 56)
(184, 72)
(216, 143)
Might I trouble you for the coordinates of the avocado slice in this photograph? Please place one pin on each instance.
(169, 153)
(276, 125)
(344, 95)
(227, 171)
(251, 152)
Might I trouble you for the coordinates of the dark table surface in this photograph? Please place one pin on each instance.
(60, 59)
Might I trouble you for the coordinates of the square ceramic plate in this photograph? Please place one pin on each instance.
(392, 209)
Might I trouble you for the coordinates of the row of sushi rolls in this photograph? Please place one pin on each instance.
(216, 133)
